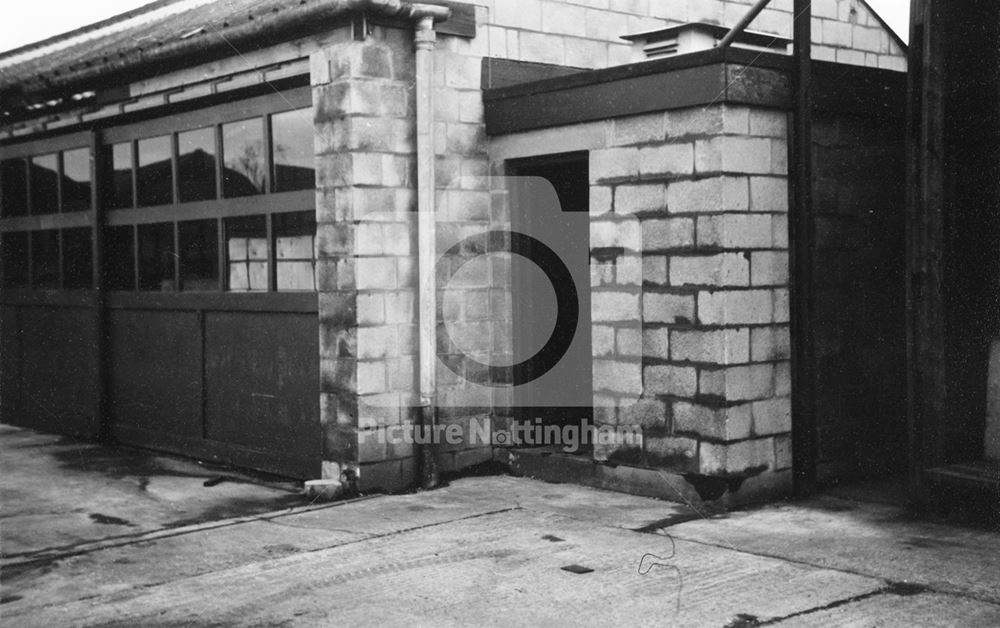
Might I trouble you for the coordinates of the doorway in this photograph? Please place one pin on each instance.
(550, 203)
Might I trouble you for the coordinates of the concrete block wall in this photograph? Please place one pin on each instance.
(709, 188)
(586, 33)
(363, 99)
(846, 31)
(859, 264)
(366, 276)
(473, 294)
(729, 253)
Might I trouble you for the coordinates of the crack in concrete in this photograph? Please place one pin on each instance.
(21, 567)
(825, 607)
(365, 538)
(50, 554)
(892, 586)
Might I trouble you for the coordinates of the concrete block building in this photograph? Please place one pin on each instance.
(281, 235)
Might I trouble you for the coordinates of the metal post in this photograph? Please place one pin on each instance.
(98, 175)
(803, 243)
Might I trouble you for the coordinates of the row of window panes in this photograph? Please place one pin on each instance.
(194, 253)
(142, 172)
(147, 179)
(32, 258)
(46, 184)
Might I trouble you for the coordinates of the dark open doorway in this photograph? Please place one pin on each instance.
(555, 215)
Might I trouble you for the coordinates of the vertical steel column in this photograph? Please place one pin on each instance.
(802, 242)
(927, 374)
(102, 417)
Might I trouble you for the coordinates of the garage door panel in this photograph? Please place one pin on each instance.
(156, 371)
(58, 369)
(10, 364)
(261, 381)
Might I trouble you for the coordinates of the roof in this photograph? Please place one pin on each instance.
(754, 38)
(160, 34)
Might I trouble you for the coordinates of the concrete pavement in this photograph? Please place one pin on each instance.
(57, 492)
(481, 551)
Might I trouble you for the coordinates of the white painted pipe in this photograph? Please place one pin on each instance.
(425, 40)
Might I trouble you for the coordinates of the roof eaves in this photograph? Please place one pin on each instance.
(83, 30)
(23, 82)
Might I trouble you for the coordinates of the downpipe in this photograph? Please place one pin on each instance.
(425, 40)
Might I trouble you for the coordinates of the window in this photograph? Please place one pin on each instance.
(13, 188)
(293, 237)
(246, 253)
(51, 177)
(226, 194)
(14, 253)
(45, 259)
(245, 161)
(119, 258)
(156, 178)
(120, 178)
(78, 261)
(196, 165)
(157, 257)
(292, 147)
(45, 184)
(76, 180)
(199, 251)
(258, 233)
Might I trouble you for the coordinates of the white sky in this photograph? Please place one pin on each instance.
(33, 20)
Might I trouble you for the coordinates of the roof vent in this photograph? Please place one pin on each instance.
(697, 36)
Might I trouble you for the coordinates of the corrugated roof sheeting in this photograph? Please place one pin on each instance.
(141, 39)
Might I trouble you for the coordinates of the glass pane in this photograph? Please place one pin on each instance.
(77, 261)
(293, 245)
(14, 253)
(45, 259)
(243, 151)
(76, 180)
(45, 184)
(119, 258)
(156, 179)
(196, 164)
(292, 144)
(118, 189)
(199, 255)
(156, 257)
(246, 253)
(13, 188)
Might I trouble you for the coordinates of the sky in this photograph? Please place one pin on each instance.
(34, 20)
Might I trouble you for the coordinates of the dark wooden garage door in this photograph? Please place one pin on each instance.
(239, 386)
(158, 282)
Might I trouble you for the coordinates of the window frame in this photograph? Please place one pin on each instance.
(98, 218)
(59, 220)
(220, 208)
